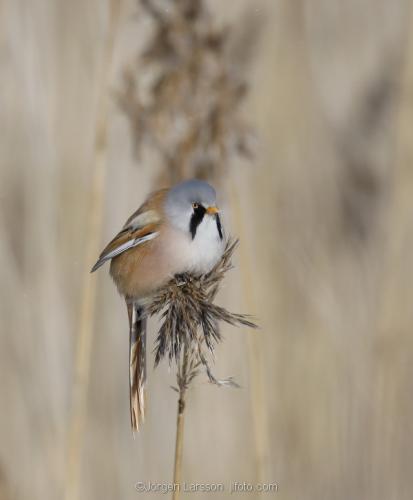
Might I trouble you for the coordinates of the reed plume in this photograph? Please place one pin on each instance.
(186, 112)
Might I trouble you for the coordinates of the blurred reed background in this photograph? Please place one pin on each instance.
(323, 207)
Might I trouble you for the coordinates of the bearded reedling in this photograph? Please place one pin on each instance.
(175, 231)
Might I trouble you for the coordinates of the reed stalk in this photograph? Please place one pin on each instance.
(180, 418)
(258, 383)
(197, 83)
(78, 414)
(189, 333)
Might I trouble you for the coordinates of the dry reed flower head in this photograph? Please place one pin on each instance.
(190, 319)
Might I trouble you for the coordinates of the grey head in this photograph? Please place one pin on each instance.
(188, 203)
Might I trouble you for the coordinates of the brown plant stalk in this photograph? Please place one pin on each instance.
(179, 441)
(189, 333)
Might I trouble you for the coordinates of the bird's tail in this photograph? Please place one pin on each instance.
(137, 363)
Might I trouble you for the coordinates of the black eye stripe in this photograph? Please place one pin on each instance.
(196, 219)
(219, 226)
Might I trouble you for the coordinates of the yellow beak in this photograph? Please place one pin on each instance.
(212, 210)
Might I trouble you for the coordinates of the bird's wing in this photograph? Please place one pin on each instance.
(142, 226)
(140, 229)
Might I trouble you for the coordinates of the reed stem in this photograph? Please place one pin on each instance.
(180, 420)
(83, 354)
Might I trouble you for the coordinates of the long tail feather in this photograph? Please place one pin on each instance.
(137, 364)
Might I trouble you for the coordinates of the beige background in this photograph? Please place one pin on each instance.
(325, 217)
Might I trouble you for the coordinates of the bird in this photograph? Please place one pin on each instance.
(176, 230)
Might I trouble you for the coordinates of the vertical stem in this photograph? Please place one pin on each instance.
(179, 443)
(82, 362)
(258, 390)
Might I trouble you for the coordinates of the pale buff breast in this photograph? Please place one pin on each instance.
(138, 272)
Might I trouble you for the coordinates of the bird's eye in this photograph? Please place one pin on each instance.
(195, 206)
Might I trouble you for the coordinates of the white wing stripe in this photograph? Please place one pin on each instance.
(122, 248)
(130, 244)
